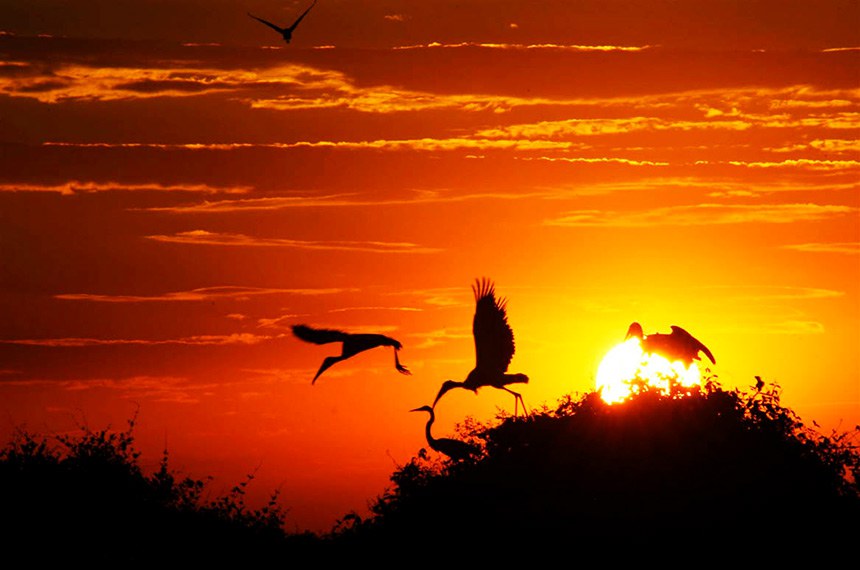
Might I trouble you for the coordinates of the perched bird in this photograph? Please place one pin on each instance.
(287, 33)
(678, 345)
(494, 347)
(453, 448)
(353, 343)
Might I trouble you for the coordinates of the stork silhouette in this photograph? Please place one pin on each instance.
(678, 345)
(454, 448)
(494, 347)
(353, 343)
(286, 33)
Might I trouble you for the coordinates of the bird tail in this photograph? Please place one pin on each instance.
(318, 336)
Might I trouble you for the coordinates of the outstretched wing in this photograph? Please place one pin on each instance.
(494, 339)
(300, 18)
(318, 336)
(693, 343)
(270, 24)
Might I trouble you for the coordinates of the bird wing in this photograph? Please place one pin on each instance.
(318, 336)
(494, 339)
(270, 24)
(692, 342)
(300, 18)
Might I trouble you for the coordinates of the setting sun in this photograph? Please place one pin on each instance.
(627, 368)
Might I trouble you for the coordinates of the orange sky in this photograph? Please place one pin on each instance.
(178, 187)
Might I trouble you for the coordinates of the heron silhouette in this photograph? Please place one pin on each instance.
(286, 33)
(454, 448)
(494, 347)
(678, 345)
(353, 343)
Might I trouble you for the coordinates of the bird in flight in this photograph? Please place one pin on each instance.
(353, 343)
(454, 448)
(286, 33)
(494, 347)
(678, 345)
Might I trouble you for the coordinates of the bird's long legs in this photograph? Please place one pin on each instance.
(400, 368)
(329, 361)
(518, 399)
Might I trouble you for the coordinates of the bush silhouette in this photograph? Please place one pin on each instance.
(706, 469)
(87, 499)
(658, 469)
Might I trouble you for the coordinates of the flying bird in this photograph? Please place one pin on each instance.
(453, 448)
(286, 33)
(678, 345)
(494, 347)
(353, 343)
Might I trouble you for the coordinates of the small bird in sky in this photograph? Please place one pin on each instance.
(678, 345)
(494, 347)
(286, 33)
(353, 343)
(453, 448)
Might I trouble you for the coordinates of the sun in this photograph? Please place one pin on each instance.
(626, 368)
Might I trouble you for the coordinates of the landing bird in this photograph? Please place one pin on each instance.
(494, 347)
(353, 343)
(678, 345)
(287, 33)
(453, 448)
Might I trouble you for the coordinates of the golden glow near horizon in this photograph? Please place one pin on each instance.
(626, 366)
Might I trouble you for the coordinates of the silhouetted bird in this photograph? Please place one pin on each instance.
(453, 448)
(286, 33)
(353, 343)
(494, 347)
(678, 345)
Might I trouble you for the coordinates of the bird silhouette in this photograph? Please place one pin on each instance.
(453, 448)
(286, 33)
(353, 343)
(494, 347)
(678, 345)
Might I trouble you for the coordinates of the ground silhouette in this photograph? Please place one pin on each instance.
(708, 471)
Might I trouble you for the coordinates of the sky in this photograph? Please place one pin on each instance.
(178, 186)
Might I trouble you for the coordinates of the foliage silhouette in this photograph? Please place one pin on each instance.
(658, 473)
(86, 498)
(675, 469)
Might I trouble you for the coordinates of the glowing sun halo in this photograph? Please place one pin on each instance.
(626, 365)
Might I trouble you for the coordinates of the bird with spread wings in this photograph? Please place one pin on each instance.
(352, 344)
(286, 33)
(494, 347)
(678, 345)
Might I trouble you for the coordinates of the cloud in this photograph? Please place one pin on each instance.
(713, 187)
(198, 340)
(424, 144)
(804, 163)
(703, 214)
(203, 237)
(592, 127)
(783, 293)
(76, 82)
(202, 294)
(439, 337)
(849, 247)
(378, 308)
(169, 389)
(517, 47)
(77, 187)
(335, 201)
(597, 160)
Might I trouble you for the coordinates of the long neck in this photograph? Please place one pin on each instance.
(430, 439)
